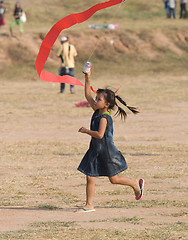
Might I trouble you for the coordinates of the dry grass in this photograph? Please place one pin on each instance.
(65, 230)
(41, 148)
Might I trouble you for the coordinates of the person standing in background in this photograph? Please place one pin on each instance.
(166, 7)
(2, 13)
(172, 8)
(182, 7)
(67, 53)
(17, 15)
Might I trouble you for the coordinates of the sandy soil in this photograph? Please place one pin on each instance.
(34, 116)
(40, 147)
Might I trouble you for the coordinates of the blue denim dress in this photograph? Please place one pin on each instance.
(102, 157)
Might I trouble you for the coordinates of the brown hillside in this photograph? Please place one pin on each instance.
(127, 44)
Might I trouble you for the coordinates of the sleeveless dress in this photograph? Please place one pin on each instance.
(102, 157)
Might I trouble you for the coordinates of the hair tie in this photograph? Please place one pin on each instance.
(117, 90)
(96, 91)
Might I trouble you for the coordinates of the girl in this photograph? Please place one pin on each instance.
(17, 15)
(103, 158)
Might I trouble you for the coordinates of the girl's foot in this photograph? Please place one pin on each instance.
(85, 209)
(139, 193)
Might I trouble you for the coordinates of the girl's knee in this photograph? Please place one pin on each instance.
(113, 180)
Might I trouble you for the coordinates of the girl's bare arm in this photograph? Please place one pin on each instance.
(96, 134)
(88, 90)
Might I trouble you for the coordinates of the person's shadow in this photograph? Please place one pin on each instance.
(39, 209)
(4, 35)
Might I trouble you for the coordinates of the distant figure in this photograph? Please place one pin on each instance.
(67, 54)
(2, 13)
(172, 8)
(166, 8)
(182, 7)
(17, 15)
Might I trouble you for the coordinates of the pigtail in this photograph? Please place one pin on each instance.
(120, 111)
(133, 109)
(110, 98)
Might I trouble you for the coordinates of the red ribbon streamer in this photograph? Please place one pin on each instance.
(53, 34)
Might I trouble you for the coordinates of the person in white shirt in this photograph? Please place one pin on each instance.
(172, 8)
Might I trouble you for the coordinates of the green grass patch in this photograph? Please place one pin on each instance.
(180, 214)
(53, 224)
(47, 207)
(66, 230)
(118, 203)
(133, 220)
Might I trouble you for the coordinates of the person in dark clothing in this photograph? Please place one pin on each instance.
(183, 9)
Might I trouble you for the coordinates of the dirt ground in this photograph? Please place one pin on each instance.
(41, 148)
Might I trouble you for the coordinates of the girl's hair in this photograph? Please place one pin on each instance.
(110, 98)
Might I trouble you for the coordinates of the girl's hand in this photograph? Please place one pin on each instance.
(88, 74)
(83, 130)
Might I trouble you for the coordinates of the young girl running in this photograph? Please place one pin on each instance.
(103, 158)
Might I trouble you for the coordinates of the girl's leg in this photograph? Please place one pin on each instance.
(20, 24)
(11, 27)
(90, 191)
(127, 182)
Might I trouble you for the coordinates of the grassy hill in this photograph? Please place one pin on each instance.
(145, 42)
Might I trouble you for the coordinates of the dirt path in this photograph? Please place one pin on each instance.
(18, 218)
